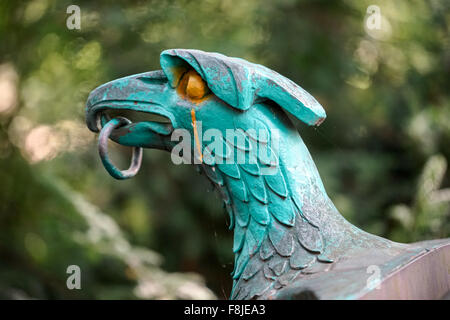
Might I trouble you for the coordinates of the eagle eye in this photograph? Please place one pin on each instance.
(193, 85)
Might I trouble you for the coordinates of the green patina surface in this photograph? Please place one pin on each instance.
(286, 228)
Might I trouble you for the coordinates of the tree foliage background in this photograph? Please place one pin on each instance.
(382, 152)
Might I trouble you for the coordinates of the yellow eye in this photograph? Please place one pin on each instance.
(195, 87)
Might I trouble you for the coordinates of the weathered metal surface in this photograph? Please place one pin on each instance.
(136, 159)
(425, 277)
(421, 272)
(289, 239)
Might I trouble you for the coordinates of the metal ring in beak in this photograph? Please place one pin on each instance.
(136, 158)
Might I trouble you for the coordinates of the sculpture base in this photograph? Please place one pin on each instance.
(425, 277)
(421, 272)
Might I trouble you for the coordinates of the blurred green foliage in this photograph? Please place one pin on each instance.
(382, 152)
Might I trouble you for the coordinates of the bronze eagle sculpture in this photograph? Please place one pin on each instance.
(290, 241)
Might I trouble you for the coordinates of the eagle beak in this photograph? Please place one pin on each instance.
(144, 99)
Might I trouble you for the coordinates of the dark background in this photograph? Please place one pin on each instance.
(382, 152)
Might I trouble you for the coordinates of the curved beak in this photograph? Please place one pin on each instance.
(145, 93)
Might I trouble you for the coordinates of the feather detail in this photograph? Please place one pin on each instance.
(316, 268)
(281, 239)
(287, 277)
(237, 189)
(259, 212)
(325, 258)
(238, 241)
(252, 268)
(213, 174)
(257, 187)
(301, 258)
(252, 168)
(306, 211)
(207, 157)
(267, 156)
(277, 183)
(218, 148)
(243, 294)
(282, 209)
(229, 210)
(241, 213)
(230, 169)
(225, 196)
(248, 162)
(266, 250)
(238, 139)
(259, 285)
(268, 273)
(254, 236)
(256, 130)
(240, 261)
(330, 253)
(308, 235)
(278, 266)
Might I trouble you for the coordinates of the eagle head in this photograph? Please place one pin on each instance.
(196, 91)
